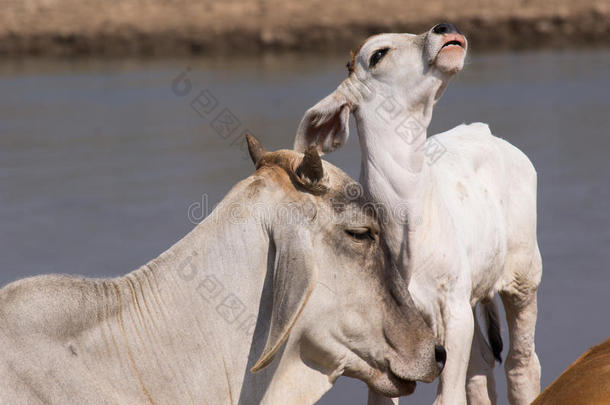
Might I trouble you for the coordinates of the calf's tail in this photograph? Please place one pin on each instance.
(492, 320)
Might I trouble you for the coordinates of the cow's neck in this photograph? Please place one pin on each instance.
(201, 310)
(392, 133)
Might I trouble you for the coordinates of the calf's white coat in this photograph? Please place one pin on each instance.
(461, 225)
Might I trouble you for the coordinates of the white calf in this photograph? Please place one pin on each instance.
(460, 206)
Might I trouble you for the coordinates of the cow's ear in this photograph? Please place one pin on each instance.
(294, 278)
(325, 125)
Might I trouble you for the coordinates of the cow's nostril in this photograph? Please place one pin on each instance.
(445, 28)
(440, 355)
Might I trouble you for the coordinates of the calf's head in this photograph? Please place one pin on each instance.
(335, 291)
(389, 74)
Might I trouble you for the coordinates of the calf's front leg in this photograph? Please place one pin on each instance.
(458, 333)
(480, 383)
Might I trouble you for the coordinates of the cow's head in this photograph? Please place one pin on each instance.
(335, 291)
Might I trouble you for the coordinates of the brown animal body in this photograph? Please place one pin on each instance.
(585, 382)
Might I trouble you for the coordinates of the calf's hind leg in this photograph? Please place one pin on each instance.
(520, 303)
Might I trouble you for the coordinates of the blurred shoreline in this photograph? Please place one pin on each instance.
(186, 27)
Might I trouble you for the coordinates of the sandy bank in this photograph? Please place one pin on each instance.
(178, 27)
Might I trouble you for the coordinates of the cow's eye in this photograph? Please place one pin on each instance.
(377, 56)
(360, 233)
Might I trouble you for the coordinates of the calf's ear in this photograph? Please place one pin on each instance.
(325, 125)
(295, 275)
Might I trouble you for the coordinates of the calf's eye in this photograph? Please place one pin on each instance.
(377, 56)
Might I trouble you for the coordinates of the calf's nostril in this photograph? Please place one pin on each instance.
(440, 355)
(445, 28)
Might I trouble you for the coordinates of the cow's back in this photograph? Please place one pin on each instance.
(39, 317)
(585, 382)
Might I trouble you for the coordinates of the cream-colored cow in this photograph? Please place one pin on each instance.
(288, 277)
